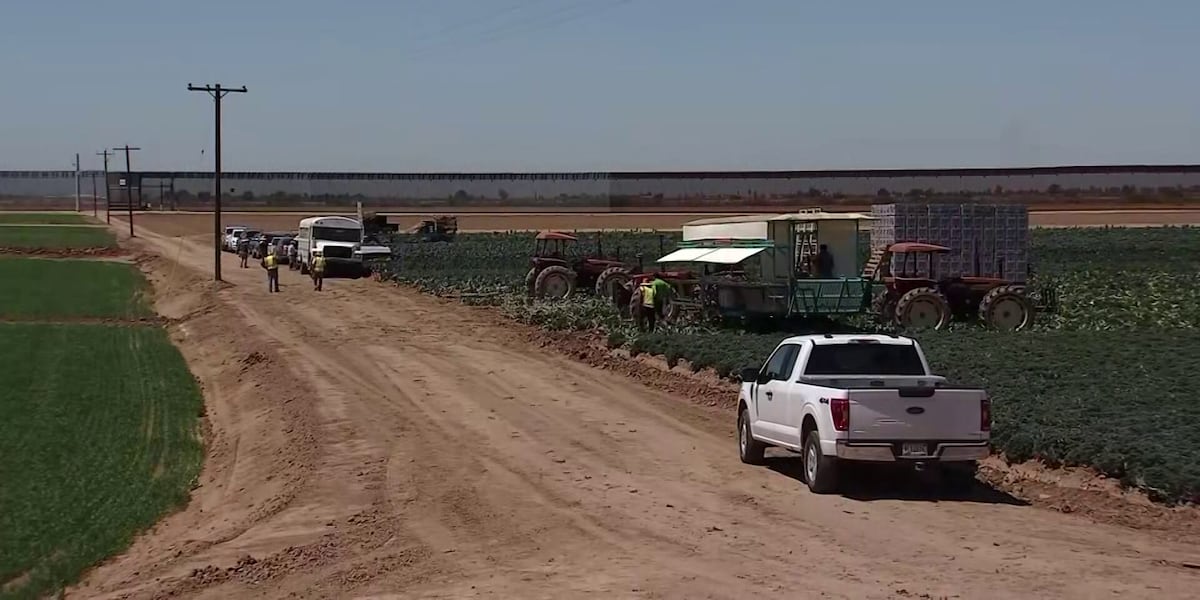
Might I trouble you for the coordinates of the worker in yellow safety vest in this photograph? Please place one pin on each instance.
(318, 269)
(271, 264)
(647, 315)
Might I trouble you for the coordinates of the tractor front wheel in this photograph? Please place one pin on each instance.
(923, 308)
(554, 283)
(883, 307)
(1006, 308)
(530, 280)
(609, 279)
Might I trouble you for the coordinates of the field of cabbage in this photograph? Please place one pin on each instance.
(1103, 383)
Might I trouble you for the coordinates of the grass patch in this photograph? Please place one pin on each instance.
(44, 289)
(56, 238)
(98, 440)
(44, 218)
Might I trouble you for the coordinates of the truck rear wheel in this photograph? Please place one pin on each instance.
(820, 471)
(303, 268)
(750, 450)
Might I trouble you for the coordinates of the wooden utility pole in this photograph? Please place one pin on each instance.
(76, 182)
(129, 184)
(217, 92)
(94, 199)
(107, 202)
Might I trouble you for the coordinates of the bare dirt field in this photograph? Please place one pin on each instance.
(198, 223)
(368, 441)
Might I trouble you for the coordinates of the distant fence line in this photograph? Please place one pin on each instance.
(614, 190)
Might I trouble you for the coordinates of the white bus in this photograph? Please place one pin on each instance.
(340, 239)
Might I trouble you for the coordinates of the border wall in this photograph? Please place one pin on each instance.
(623, 191)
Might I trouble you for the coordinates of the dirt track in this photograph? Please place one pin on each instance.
(198, 223)
(370, 441)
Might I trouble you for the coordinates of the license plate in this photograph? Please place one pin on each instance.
(914, 449)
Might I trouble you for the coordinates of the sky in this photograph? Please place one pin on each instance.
(601, 85)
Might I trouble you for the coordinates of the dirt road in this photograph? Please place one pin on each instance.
(367, 441)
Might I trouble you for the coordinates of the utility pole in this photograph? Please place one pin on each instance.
(107, 201)
(128, 184)
(217, 92)
(94, 200)
(76, 182)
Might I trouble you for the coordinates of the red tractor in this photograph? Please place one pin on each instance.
(924, 301)
(557, 269)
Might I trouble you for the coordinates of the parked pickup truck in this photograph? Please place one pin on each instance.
(835, 398)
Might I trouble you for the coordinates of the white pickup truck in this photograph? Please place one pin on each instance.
(871, 398)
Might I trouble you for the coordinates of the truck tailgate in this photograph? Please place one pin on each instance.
(928, 414)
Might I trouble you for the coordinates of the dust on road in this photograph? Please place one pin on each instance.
(369, 441)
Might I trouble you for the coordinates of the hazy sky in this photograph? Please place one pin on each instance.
(526, 85)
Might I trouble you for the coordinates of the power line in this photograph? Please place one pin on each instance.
(557, 17)
(459, 26)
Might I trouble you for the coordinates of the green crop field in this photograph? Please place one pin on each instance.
(45, 289)
(36, 237)
(1103, 383)
(98, 439)
(45, 218)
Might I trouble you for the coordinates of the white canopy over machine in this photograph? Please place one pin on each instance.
(789, 237)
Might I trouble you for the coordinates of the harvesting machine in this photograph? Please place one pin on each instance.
(761, 267)
(436, 229)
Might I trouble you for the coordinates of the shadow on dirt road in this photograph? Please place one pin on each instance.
(867, 483)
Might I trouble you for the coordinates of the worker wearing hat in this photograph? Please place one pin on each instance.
(318, 269)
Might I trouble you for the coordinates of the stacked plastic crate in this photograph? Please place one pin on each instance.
(990, 240)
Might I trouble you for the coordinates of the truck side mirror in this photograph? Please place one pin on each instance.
(749, 375)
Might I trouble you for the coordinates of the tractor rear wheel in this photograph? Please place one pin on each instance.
(609, 279)
(923, 308)
(1006, 308)
(555, 283)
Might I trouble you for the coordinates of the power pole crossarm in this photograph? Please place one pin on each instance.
(217, 92)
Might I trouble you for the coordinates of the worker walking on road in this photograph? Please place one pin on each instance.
(243, 250)
(318, 269)
(271, 263)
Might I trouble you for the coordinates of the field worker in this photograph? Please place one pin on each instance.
(824, 262)
(648, 311)
(271, 263)
(243, 249)
(318, 269)
(662, 294)
(291, 253)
